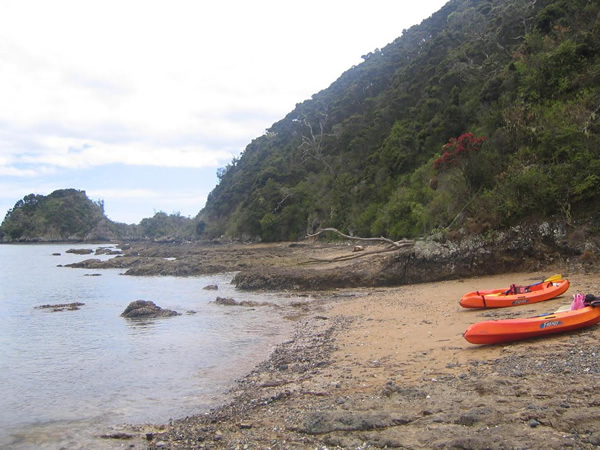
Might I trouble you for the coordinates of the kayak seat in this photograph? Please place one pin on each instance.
(516, 289)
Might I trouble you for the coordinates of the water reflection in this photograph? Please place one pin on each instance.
(141, 324)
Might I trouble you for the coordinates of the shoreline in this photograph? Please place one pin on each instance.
(385, 366)
(388, 367)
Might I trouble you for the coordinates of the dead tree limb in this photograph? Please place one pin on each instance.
(312, 146)
(392, 246)
(395, 244)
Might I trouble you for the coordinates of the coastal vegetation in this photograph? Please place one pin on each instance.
(69, 215)
(64, 214)
(379, 151)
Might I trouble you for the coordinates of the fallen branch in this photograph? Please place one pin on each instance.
(395, 244)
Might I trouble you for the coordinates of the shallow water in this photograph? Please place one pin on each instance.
(67, 376)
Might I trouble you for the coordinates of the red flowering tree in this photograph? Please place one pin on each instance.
(458, 150)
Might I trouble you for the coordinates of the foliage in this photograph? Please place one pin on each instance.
(168, 226)
(363, 154)
(64, 214)
(68, 214)
(457, 151)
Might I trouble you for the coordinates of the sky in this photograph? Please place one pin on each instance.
(138, 103)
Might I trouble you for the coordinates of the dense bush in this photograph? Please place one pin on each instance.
(64, 214)
(364, 154)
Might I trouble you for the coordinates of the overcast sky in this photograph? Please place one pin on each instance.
(139, 102)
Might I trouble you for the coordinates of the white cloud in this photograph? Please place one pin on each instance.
(16, 172)
(82, 154)
(114, 194)
(180, 84)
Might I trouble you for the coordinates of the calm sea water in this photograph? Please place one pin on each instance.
(68, 376)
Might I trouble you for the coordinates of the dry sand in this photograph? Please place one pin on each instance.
(388, 367)
(416, 330)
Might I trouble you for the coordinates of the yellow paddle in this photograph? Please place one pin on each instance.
(552, 279)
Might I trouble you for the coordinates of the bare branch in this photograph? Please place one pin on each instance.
(395, 244)
(278, 207)
(312, 146)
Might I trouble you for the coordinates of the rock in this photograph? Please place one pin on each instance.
(246, 303)
(80, 251)
(581, 420)
(211, 287)
(123, 436)
(392, 388)
(107, 251)
(87, 264)
(62, 306)
(144, 309)
(533, 423)
(486, 415)
(226, 301)
(358, 248)
(327, 422)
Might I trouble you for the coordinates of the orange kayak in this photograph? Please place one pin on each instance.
(500, 298)
(506, 330)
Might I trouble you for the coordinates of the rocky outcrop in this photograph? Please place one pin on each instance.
(437, 258)
(277, 278)
(143, 309)
(107, 251)
(80, 251)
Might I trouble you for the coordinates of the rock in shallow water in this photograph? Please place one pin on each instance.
(62, 306)
(144, 309)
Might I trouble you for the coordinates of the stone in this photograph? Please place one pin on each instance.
(486, 415)
(80, 251)
(533, 423)
(226, 301)
(143, 309)
(62, 306)
(329, 421)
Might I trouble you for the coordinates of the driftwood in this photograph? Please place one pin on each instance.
(392, 245)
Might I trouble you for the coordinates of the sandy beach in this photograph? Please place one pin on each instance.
(389, 368)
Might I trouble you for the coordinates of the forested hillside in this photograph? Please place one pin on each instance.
(484, 115)
(69, 215)
(62, 215)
